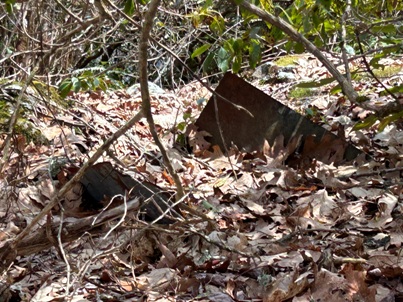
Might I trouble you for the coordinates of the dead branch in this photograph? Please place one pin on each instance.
(8, 251)
(72, 229)
(145, 94)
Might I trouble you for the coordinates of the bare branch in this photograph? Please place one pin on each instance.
(145, 94)
(9, 251)
(346, 86)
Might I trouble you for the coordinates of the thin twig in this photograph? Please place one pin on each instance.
(62, 252)
(346, 86)
(368, 67)
(8, 251)
(14, 119)
(344, 17)
(168, 50)
(145, 94)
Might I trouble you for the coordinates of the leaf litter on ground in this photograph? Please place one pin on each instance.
(272, 233)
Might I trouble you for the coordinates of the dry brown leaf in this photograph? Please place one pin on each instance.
(285, 287)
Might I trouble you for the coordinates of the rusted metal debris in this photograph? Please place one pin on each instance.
(270, 120)
(102, 182)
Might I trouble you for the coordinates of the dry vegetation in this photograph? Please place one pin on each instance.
(252, 228)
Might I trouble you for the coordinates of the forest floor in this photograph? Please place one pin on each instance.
(268, 231)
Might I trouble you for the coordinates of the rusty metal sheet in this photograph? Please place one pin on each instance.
(270, 119)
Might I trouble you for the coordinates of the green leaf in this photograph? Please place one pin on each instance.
(375, 60)
(228, 45)
(200, 50)
(299, 48)
(389, 119)
(307, 24)
(129, 7)
(208, 4)
(389, 29)
(85, 84)
(267, 5)
(9, 8)
(277, 34)
(316, 20)
(318, 42)
(96, 83)
(315, 84)
(326, 3)
(76, 83)
(254, 32)
(236, 65)
(218, 25)
(395, 89)
(391, 41)
(366, 123)
(87, 74)
(181, 126)
(187, 115)
(103, 85)
(222, 59)
(9, 5)
(336, 89)
(255, 54)
(238, 46)
(309, 112)
(223, 65)
(65, 88)
(238, 2)
(208, 63)
(328, 26)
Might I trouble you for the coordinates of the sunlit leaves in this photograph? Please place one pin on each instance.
(372, 119)
(266, 5)
(395, 90)
(200, 50)
(325, 3)
(236, 65)
(366, 123)
(316, 84)
(206, 15)
(389, 119)
(387, 29)
(217, 26)
(230, 55)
